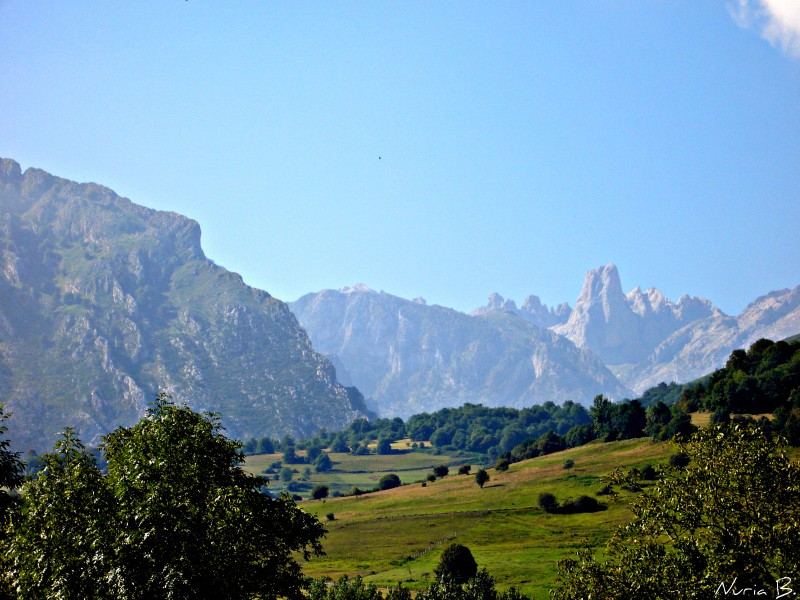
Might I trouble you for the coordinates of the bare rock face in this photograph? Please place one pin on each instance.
(407, 357)
(624, 329)
(532, 310)
(104, 303)
(704, 345)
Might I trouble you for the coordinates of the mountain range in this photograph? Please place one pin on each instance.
(407, 357)
(645, 338)
(104, 303)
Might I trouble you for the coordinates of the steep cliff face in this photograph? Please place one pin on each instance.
(407, 357)
(625, 329)
(645, 338)
(103, 303)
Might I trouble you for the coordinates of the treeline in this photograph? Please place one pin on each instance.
(765, 379)
(471, 429)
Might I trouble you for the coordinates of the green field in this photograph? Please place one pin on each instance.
(397, 535)
(351, 471)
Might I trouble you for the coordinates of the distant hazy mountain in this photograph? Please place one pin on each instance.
(532, 310)
(623, 329)
(645, 338)
(407, 357)
(704, 345)
(104, 303)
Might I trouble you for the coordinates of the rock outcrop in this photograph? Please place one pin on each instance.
(103, 303)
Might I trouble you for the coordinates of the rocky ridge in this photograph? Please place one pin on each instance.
(103, 303)
(408, 357)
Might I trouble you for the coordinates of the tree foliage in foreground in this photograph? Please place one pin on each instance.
(175, 517)
(731, 515)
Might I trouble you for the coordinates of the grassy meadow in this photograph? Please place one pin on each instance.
(397, 535)
(351, 471)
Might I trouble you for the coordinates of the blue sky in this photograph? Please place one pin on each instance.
(437, 149)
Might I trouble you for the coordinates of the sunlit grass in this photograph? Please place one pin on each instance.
(397, 535)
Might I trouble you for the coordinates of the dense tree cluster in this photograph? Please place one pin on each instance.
(763, 379)
(493, 431)
(666, 393)
(174, 517)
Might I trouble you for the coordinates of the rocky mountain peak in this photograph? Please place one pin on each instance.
(602, 288)
(104, 302)
(10, 171)
(532, 310)
(358, 288)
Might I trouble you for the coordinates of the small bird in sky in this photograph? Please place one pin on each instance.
(379, 158)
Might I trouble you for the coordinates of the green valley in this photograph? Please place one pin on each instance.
(397, 535)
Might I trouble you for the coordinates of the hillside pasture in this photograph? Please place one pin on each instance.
(398, 535)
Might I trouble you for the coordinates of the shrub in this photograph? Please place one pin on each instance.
(569, 463)
(606, 490)
(464, 469)
(502, 465)
(389, 481)
(548, 502)
(582, 504)
(481, 477)
(430, 477)
(319, 492)
(441, 471)
(648, 473)
(330, 516)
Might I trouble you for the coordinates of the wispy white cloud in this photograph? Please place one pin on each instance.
(778, 21)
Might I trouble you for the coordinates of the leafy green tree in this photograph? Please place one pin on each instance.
(175, 517)
(388, 481)
(340, 444)
(190, 517)
(11, 478)
(313, 452)
(732, 514)
(502, 465)
(456, 564)
(11, 469)
(602, 413)
(384, 446)
(481, 477)
(266, 446)
(286, 474)
(580, 435)
(319, 492)
(464, 469)
(441, 471)
(62, 543)
(323, 463)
